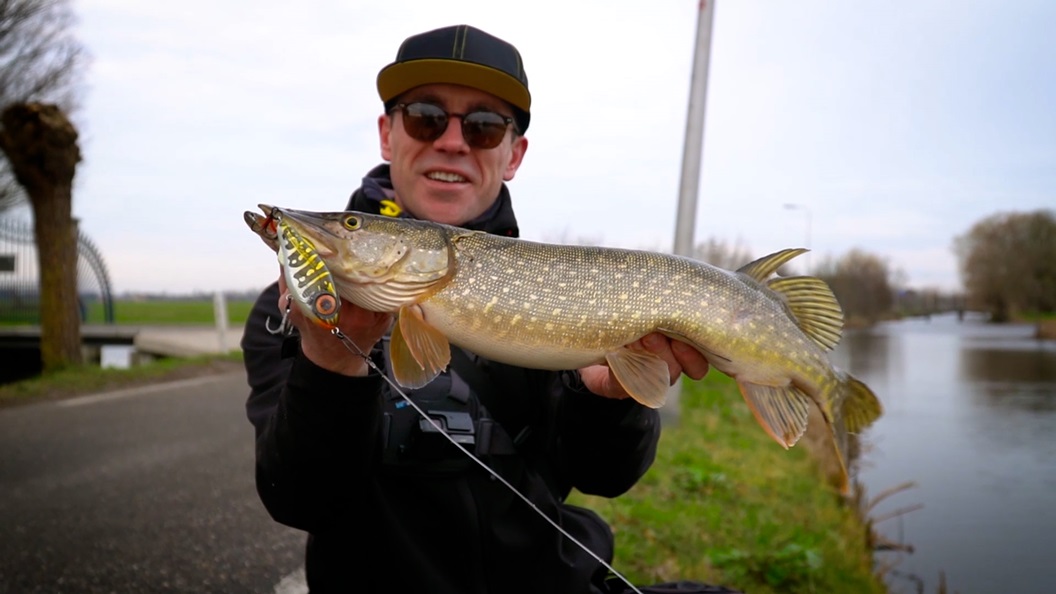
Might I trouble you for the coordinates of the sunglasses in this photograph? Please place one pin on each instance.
(427, 122)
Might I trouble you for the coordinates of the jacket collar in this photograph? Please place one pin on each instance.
(376, 195)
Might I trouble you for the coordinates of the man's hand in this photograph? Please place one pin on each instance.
(364, 328)
(681, 358)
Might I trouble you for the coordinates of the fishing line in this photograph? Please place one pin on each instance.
(355, 350)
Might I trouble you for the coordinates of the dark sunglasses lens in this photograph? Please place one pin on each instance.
(424, 121)
(483, 129)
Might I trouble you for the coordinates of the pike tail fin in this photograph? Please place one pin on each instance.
(858, 408)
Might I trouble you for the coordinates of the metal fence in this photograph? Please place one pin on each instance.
(20, 277)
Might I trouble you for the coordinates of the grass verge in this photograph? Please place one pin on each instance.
(88, 379)
(723, 504)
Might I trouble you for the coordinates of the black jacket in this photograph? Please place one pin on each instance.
(390, 509)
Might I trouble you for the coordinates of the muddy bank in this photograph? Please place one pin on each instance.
(1047, 329)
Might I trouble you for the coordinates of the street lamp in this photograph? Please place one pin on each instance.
(806, 210)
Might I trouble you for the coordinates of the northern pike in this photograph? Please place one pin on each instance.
(549, 306)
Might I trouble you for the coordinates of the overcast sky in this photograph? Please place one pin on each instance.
(895, 125)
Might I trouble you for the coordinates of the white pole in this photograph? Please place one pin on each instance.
(692, 156)
(806, 211)
(220, 315)
(693, 149)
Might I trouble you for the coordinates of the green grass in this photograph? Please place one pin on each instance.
(725, 504)
(1039, 316)
(145, 312)
(172, 312)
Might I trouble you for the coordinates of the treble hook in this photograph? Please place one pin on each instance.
(284, 327)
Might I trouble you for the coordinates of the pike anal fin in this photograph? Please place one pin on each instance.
(643, 375)
(418, 351)
(781, 411)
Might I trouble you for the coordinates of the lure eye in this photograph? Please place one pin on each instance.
(325, 305)
(352, 223)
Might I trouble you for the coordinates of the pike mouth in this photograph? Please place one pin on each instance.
(314, 231)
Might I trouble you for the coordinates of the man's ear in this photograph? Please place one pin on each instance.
(517, 149)
(384, 132)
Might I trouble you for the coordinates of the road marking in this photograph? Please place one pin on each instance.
(141, 390)
(294, 583)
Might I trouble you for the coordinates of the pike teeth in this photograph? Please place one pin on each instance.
(445, 176)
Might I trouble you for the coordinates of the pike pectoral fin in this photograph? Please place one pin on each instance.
(418, 351)
(782, 411)
(643, 375)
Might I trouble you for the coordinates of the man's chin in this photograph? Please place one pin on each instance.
(450, 212)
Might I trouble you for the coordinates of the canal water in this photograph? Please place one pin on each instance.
(970, 418)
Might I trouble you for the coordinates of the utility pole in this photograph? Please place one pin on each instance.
(692, 156)
(693, 149)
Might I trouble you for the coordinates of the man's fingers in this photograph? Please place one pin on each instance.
(600, 380)
(694, 364)
(680, 357)
(660, 345)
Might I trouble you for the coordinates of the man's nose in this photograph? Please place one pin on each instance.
(452, 140)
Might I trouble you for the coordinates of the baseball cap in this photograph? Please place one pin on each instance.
(461, 55)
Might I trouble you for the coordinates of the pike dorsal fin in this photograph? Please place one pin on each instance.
(418, 351)
(814, 307)
(811, 301)
(762, 268)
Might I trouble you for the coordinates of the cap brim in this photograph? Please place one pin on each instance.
(396, 79)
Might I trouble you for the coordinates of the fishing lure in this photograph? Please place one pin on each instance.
(308, 279)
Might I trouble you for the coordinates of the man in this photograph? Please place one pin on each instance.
(389, 507)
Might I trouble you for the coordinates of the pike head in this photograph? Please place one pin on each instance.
(379, 263)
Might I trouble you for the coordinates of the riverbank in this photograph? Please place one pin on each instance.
(724, 504)
(1047, 329)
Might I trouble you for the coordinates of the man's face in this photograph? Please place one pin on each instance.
(447, 180)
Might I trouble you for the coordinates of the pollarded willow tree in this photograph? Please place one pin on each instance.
(41, 146)
(40, 67)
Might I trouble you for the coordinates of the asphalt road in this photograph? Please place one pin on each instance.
(145, 490)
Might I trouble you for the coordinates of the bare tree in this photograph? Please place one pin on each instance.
(1008, 263)
(40, 66)
(40, 60)
(718, 253)
(862, 282)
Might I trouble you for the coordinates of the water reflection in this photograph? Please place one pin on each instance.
(1016, 378)
(970, 415)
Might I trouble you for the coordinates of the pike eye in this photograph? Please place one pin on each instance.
(352, 223)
